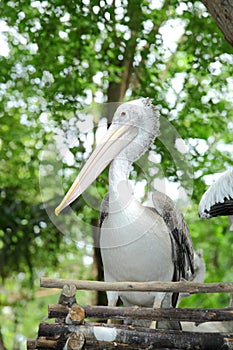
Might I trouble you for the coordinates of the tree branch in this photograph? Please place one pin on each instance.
(109, 336)
(105, 312)
(153, 286)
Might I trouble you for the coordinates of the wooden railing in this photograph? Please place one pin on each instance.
(73, 330)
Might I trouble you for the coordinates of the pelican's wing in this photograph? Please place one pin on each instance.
(103, 214)
(104, 208)
(222, 209)
(218, 199)
(183, 256)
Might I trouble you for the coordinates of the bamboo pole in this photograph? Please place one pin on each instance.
(105, 312)
(153, 286)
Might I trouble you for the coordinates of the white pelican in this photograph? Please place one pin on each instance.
(218, 199)
(137, 243)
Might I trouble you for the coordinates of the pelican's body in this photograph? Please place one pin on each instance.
(133, 232)
(137, 243)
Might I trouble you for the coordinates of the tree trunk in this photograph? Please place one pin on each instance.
(115, 93)
(222, 12)
(2, 346)
(101, 298)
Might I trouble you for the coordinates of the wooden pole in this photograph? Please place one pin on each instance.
(111, 336)
(75, 315)
(74, 342)
(105, 312)
(42, 343)
(153, 286)
(67, 296)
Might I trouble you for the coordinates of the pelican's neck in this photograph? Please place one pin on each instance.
(120, 190)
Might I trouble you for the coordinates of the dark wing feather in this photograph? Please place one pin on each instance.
(103, 214)
(104, 208)
(221, 209)
(182, 249)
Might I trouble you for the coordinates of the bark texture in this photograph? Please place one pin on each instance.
(222, 12)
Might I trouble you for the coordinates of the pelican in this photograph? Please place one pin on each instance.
(137, 243)
(218, 199)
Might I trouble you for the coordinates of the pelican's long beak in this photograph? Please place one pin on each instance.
(116, 138)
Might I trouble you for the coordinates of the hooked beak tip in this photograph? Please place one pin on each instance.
(57, 210)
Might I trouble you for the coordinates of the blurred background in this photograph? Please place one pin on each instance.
(59, 61)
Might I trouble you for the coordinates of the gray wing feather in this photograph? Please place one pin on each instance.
(104, 208)
(183, 256)
(182, 249)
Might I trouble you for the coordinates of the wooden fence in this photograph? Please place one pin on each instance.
(73, 329)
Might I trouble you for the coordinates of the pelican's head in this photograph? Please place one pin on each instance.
(142, 117)
(134, 126)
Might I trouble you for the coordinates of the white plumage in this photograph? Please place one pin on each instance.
(218, 199)
(217, 193)
(137, 243)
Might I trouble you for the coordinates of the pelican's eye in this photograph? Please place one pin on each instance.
(123, 114)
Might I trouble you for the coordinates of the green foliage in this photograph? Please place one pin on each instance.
(216, 242)
(67, 55)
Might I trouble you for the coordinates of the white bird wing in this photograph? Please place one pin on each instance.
(218, 199)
